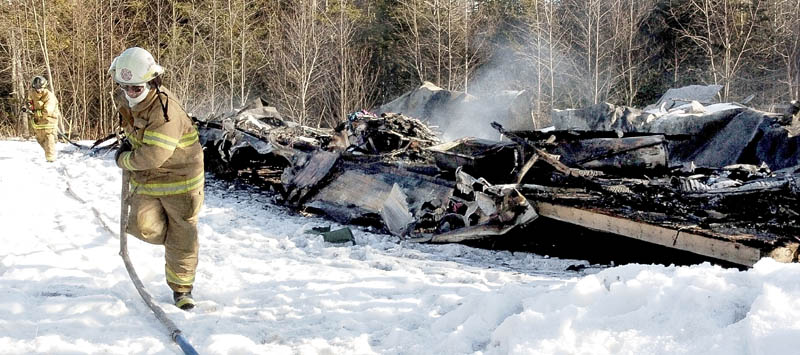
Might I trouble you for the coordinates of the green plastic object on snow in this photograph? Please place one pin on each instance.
(342, 235)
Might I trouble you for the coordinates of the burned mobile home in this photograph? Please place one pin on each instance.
(717, 180)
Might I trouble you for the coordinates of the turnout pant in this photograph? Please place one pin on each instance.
(47, 140)
(170, 221)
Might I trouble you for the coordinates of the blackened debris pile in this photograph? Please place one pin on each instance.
(715, 179)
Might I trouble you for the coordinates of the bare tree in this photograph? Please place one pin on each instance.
(301, 62)
(13, 21)
(444, 38)
(785, 25)
(212, 57)
(594, 46)
(724, 29)
(410, 14)
(476, 26)
(541, 49)
(316, 60)
(634, 49)
(77, 73)
(349, 81)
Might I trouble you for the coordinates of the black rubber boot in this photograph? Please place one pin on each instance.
(183, 300)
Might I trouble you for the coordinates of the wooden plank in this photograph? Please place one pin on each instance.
(528, 165)
(673, 238)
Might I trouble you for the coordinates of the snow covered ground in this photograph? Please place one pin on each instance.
(267, 287)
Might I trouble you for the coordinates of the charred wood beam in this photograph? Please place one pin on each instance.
(689, 238)
(305, 177)
(553, 192)
(608, 148)
(544, 156)
(559, 166)
(528, 165)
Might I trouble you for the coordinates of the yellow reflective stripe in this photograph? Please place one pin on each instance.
(42, 126)
(135, 142)
(126, 160)
(188, 139)
(170, 188)
(184, 301)
(174, 278)
(160, 140)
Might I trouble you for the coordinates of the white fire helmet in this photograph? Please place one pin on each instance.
(134, 66)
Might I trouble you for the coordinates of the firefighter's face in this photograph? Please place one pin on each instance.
(133, 91)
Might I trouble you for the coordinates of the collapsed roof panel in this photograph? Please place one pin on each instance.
(713, 136)
(674, 97)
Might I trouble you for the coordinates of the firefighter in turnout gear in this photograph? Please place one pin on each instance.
(165, 160)
(44, 112)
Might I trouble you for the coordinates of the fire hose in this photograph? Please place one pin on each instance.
(173, 330)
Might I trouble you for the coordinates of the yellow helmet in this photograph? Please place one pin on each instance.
(134, 66)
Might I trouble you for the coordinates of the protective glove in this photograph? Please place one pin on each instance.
(124, 146)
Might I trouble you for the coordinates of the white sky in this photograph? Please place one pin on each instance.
(266, 287)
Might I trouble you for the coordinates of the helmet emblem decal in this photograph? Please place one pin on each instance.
(125, 74)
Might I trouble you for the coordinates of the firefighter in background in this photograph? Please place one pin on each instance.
(43, 108)
(165, 160)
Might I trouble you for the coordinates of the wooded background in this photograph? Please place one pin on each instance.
(318, 60)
